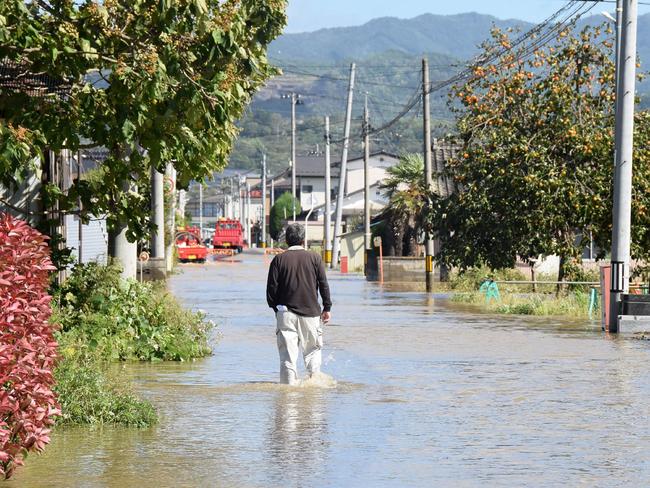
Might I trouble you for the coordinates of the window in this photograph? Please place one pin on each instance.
(210, 209)
(307, 188)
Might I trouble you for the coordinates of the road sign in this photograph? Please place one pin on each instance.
(377, 241)
(144, 256)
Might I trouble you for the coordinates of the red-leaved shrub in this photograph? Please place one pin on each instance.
(27, 346)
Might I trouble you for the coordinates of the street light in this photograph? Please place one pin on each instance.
(608, 16)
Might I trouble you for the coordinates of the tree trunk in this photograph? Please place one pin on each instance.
(122, 251)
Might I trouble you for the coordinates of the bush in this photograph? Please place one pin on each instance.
(28, 405)
(89, 396)
(127, 320)
(104, 318)
(282, 210)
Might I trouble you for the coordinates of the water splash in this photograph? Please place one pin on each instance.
(318, 380)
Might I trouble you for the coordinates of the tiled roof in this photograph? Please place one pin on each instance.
(17, 77)
(313, 166)
(441, 152)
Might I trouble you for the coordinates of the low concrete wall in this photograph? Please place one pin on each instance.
(398, 269)
(153, 270)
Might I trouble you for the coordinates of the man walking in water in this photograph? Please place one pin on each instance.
(295, 279)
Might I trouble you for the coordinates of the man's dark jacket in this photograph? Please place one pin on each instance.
(295, 278)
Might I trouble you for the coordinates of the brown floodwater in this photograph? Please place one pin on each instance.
(429, 394)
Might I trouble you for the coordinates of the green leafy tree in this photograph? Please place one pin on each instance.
(406, 190)
(152, 81)
(535, 167)
(282, 210)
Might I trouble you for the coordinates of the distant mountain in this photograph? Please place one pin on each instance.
(457, 36)
(453, 35)
(388, 53)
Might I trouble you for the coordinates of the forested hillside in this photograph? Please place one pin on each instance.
(388, 53)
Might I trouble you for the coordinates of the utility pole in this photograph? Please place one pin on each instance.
(620, 270)
(342, 176)
(248, 214)
(81, 225)
(295, 100)
(366, 186)
(170, 218)
(272, 203)
(263, 229)
(619, 27)
(158, 211)
(232, 210)
(327, 231)
(293, 153)
(201, 210)
(428, 174)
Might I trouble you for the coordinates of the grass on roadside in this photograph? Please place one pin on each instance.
(104, 319)
(573, 304)
(91, 395)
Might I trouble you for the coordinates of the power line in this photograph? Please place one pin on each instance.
(468, 72)
(334, 78)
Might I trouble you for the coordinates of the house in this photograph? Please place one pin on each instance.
(310, 176)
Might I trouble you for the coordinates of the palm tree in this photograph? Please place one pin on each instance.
(407, 194)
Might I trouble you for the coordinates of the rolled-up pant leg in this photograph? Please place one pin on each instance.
(288, 346)
(311, 340)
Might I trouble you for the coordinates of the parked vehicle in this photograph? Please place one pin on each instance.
(228, 233)
(189, 246)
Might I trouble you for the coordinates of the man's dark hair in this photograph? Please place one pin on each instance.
(295, 235)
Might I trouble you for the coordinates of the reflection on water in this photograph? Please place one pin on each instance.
(428, 393)
(297, 441)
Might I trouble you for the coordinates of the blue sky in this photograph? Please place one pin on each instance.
(309, 15)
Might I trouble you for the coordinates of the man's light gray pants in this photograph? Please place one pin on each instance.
(296, 333)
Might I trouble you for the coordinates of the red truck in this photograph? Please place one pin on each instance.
(189, 246)
(228, 234)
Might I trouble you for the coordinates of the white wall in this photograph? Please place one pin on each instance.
(94, 239)
(377, 164)
(318, 191)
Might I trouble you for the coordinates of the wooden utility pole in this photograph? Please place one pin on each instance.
(327, 231)
(624, 142)
(342, 175)
(428, 173)
(366, 187)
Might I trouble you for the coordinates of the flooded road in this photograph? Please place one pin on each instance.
(429, 394)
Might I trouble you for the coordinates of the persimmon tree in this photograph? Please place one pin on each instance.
(535, 168)
(152, 81)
